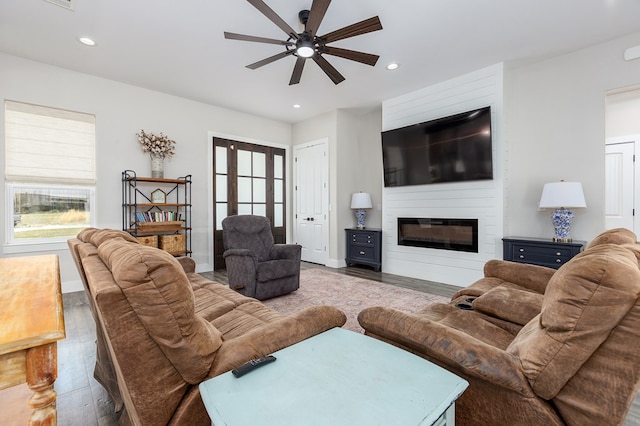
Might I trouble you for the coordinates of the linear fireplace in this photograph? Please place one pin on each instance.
(445, 234)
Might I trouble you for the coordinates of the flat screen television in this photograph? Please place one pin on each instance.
(449, 149)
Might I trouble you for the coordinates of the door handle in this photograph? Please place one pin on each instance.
(309, 218)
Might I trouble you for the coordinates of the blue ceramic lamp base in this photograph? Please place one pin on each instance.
(360, 216)
(562, 219)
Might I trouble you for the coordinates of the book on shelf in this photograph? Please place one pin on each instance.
(157, 217)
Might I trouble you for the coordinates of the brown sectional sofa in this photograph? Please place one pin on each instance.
(537, 345)
(162, 329)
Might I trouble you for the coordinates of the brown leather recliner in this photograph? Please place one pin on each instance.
(574, 363)
(510, 293)
(163, 329)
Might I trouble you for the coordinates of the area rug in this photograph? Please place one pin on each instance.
(349, 294)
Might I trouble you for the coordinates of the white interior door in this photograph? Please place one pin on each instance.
(619, 185)
(312, 201)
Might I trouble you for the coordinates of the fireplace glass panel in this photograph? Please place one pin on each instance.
(438, 233)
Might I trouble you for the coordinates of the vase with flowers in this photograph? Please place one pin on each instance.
(159, 147)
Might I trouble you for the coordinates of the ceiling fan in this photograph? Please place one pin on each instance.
(307, 44)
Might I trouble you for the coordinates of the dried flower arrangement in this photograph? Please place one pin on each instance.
(156, 145)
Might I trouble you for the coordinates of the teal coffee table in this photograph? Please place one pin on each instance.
(336, 378)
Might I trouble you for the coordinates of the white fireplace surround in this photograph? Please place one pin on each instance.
(482, 200)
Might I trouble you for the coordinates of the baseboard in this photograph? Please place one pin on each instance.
(336, 263)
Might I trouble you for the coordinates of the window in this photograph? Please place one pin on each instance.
(50, 172)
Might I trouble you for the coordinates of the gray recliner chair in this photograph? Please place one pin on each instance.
(256, 267)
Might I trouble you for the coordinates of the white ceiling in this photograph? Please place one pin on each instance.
(178, 47)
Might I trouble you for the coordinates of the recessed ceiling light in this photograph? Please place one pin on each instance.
(86, 41)
(632, 53)
(297, 105)
(393, 66)
(67, 4)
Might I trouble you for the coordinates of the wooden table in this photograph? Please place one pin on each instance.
(338, 378)
(31, 322)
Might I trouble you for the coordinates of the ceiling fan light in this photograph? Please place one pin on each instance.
(305, 49)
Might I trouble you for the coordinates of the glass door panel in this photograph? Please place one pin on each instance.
(244, 190)
(221, 196)
(259, 164)
(248, 179)
(244, 163)
(278, 190)
(259, 190)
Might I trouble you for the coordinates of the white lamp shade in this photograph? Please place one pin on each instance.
(361, 200)
(562, 194)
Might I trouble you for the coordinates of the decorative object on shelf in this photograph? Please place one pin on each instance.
(562, 196)
(158, 196)
(159, 147)
(360, 201)
(157, 166)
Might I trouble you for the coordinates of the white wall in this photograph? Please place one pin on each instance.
(122, 110)
(480, 200)
(355, 164)
(555, 125)
(623, 113)
(369, 173)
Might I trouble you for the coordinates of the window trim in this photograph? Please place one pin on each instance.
(41, 244)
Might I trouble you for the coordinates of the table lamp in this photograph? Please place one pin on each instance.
(562, 196)
(359, 202)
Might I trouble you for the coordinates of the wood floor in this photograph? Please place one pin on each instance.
(83, 402)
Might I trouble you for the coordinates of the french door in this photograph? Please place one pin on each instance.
(247, 179)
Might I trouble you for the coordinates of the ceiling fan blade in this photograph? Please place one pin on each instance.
(316, 14)
(365, 58)
(269, 59)
(359, 28)
(244, 37)
(328, 69)
(273, 17)
(297, 71)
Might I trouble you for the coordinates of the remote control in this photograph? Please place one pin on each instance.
(252, 365)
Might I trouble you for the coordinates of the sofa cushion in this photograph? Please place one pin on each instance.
(510, 304)
(275, 269)
(98, 236)
(614, 236)
(214, 299)
(508, 274)
(468, 321)
(584, 301)
(86, 233)
(244, 318)
(159, 292)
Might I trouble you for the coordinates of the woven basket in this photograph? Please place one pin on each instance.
(150, 240)
(173, 244)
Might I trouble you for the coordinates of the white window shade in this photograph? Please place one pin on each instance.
(49, 145)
